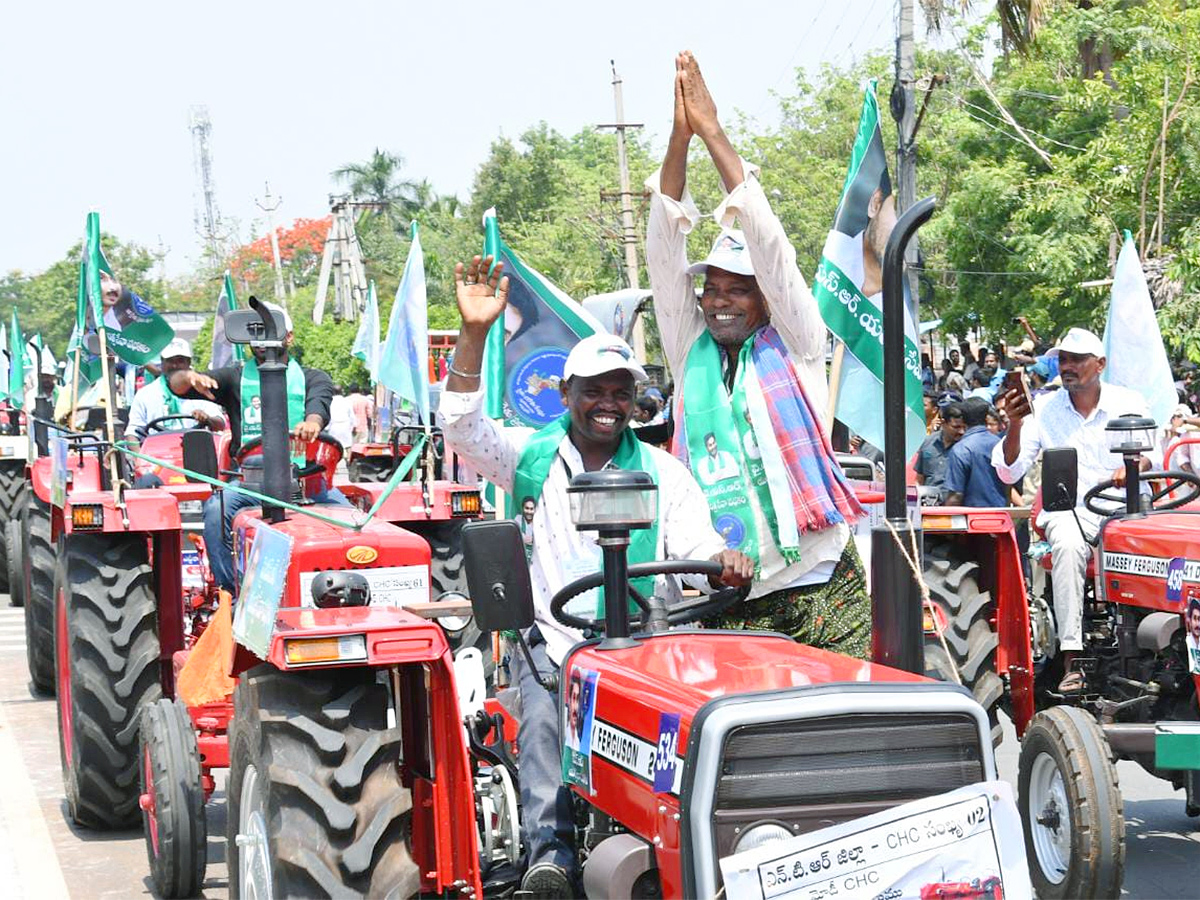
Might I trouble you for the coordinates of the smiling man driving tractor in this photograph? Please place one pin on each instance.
(598, 389)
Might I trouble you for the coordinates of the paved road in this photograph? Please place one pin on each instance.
(44, 857)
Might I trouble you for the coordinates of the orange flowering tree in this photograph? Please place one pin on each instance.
(300, 248)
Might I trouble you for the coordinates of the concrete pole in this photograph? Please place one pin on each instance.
(628, 232)
(269, 210)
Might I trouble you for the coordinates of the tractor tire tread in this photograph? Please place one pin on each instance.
(38, 580)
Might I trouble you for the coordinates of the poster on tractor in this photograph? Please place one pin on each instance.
(966, 843)
(580, 715)
(262, 588)
(58, 472)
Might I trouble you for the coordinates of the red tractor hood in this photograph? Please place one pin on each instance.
(1136, 553)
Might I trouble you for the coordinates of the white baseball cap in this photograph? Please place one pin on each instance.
(599, 354)
(177, 347)
(287, 319)
(728, 252)
(1081, 341)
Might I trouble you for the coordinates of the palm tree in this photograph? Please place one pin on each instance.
(378, 181)
(1019, 19)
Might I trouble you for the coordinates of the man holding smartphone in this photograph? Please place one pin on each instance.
(1073, 417)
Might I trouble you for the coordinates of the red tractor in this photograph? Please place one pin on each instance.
(1139, 701)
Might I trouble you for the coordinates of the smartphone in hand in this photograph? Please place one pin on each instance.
(1014, 380)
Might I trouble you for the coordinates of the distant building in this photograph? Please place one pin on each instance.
(187, 324)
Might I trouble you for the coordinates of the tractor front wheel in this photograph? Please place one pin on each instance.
(1071, 809)
(12, 479)
(15, 551)
(172, 800)
(38, 587)
(107, 661)
(316, 803)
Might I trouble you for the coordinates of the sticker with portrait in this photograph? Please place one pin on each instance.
(1191, 622)
(579, 715)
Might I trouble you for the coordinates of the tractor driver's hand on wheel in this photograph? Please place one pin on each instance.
(737, 569)
(308, 430)
(212, 423)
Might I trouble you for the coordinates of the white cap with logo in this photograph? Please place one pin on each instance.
(599, 354)
(1081, 341)
(728, 252)
(177, 347)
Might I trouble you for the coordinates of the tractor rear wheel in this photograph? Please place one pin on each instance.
(316, 804)
(107, 662)
(969, 654)
(15, 551)
(1071, 808)
(172, 800)
(12, 479)
(448, 574)
(369, 468)
(38, 588)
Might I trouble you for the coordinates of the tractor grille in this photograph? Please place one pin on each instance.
(810, 773)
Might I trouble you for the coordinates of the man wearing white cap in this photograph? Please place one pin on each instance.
(598, 389)
(749, 368)
(155, 400)
(1073, 417)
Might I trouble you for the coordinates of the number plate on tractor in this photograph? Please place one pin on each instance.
(390, 585)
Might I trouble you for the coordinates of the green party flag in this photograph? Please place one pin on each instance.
(851, 265)
(16, 363)
(527, 347)
(133, 330)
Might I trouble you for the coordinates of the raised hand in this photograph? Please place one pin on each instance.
(481, 296)
(680, 128)
(699, 105)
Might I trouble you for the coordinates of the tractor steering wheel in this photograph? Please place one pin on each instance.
(679, 614)
(157, 424)
(1173, 480)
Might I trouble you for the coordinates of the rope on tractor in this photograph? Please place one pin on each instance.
(357, 524)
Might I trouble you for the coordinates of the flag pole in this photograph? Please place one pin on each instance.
(835, 381)
(75, 385)
(110, 417)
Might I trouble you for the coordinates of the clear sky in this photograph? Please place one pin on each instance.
(96, 97)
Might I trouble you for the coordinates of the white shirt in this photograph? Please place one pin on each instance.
(149, 404)
(341, 420)
(1056, 423)
(794, 314)
(710, 470)
(561, 554)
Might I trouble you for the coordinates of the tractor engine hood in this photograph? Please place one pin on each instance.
(1138, 555)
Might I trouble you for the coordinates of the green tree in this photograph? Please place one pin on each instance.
(378, 181)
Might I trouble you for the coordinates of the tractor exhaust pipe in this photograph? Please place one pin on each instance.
(272, 374)
(897, 637)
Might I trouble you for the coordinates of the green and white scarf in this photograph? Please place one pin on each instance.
(251, 389)
(632, 455)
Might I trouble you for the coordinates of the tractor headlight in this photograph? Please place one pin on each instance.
(760, 834)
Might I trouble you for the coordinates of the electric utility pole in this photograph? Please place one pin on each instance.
(629, 237)
(903, 103)
(270, 210)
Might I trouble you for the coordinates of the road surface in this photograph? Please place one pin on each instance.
(42, 856)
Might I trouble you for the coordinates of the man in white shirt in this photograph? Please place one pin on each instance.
(1073, 417)
(810, 581)
(598, 390)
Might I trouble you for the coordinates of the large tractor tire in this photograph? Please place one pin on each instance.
(38, 587)
(448, 575)
(172, 800)
(969, 654)
(12, 480)
(1071, 809)
(316, 804)
(14, 549)
(107, 662)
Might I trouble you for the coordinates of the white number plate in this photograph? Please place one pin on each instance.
(390, 585)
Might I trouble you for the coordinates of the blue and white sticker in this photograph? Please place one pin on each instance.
(664, 754)
(1175, 579)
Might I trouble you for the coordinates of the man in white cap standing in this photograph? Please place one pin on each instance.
(749, 360)
(1073, 417)
(598, 389)
(155, 400)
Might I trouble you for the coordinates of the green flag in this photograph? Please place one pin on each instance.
(133, 330)
(848, 292)
(16, 363)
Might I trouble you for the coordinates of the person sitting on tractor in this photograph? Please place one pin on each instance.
(155, 401)
(236, 390)
(755, 342)
(598, 390)
(1073, 417)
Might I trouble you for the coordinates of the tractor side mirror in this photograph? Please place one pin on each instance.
(244, 326)
(1060, 479)
(497, 576)
(199, 454)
